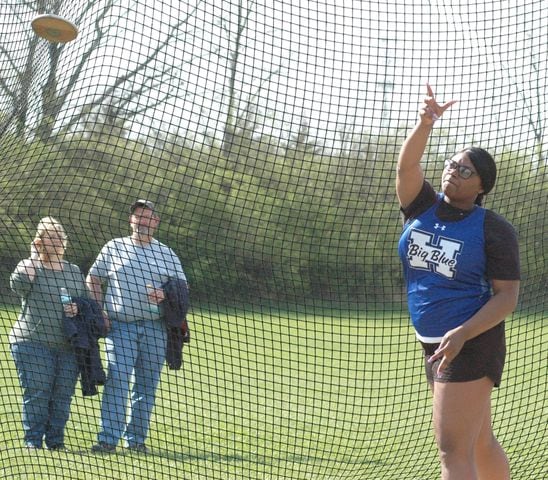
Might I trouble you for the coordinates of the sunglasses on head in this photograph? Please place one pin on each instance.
(463, 171)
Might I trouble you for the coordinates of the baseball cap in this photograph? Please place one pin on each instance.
(141, 203)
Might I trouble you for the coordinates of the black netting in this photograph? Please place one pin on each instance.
(266, 133)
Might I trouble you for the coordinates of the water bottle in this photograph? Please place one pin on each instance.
(65, 297)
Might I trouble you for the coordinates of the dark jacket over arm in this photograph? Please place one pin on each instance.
(83, 332)
(174, 310)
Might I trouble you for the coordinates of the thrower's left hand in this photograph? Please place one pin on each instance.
(449, 348)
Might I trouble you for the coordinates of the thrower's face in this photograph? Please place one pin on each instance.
(460, 182)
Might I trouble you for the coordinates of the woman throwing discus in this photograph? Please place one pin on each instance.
(461, 266)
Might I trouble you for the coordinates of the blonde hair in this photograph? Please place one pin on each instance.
(48, 225)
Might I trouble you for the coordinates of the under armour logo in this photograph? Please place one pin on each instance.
(441, 227)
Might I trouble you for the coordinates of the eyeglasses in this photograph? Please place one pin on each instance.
(463, 171)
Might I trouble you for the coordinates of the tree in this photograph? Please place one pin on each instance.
(242, 117)
(530, 84)
(301, 144)
(21, 88)
(122, 94)
(107, 120)
(534, 106)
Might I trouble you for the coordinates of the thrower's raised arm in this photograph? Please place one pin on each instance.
(410, 176)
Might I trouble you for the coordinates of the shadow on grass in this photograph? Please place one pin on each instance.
(197, 456)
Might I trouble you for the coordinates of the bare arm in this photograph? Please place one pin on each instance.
(500, 305)
(410, 177)
(94, 285)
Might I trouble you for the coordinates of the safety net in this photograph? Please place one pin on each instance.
(265, 135)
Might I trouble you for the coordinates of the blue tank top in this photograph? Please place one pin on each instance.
(444, 265)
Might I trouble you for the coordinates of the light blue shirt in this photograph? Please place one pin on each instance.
(128, 268)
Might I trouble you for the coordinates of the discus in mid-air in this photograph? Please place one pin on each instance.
(54, 29)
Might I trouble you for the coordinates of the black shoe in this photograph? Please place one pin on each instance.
(138, 448)
(32, 446)
(103, 447)
(58, 448)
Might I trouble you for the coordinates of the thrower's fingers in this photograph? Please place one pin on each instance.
(440, 352)
(447, 105)
(443, 365)
(435, 356)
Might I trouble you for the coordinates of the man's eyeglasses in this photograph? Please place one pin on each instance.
(463, 171)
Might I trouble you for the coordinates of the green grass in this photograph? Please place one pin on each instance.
(268, 394)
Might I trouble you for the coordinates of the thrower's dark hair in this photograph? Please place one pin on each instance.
(485, 166)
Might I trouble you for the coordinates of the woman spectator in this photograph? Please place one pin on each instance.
(46, 364)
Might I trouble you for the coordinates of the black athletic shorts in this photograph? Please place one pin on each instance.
(482, 356)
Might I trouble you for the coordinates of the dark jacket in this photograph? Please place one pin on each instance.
(174, 311)
(83, 332)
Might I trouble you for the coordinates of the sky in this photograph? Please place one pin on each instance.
(338, 65)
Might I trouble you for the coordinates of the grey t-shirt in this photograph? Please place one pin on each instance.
(128, 268)
(41, 316)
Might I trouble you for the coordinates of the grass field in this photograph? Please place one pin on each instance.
(268, 394)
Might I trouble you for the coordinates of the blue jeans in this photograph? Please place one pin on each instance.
(135, 351)
(48, 378)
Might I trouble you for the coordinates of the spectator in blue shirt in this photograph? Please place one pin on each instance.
(131, 271)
